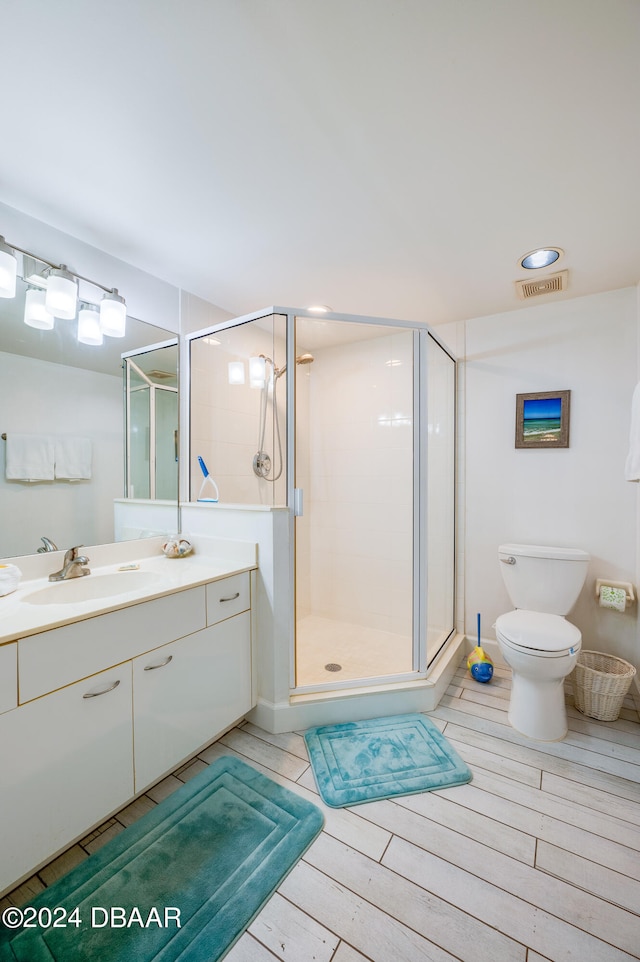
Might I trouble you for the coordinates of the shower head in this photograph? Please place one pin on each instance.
(301, 359)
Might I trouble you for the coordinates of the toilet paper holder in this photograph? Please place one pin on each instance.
(625, 585)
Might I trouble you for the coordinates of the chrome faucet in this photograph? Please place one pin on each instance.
(48, 545)
(72, 566)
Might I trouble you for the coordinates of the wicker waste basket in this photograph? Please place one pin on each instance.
(600, 683)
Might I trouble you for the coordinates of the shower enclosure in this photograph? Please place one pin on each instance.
(350, 422)
(151, 414)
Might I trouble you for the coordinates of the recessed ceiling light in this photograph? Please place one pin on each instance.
(320, 309)
(542, 257)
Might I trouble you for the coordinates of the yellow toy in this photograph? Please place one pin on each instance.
(479, 663)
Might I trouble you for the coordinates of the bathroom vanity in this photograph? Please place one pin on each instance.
(101, 697)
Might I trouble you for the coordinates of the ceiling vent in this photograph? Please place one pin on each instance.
(550, 284)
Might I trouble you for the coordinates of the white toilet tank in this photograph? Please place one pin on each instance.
(540, 578)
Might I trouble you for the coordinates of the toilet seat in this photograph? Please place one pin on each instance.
(538, 633)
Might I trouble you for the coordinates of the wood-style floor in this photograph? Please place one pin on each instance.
(538, 858)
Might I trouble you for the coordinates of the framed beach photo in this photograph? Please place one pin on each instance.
(542, 419)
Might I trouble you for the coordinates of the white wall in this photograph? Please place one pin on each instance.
(575, 496)
(79, 403)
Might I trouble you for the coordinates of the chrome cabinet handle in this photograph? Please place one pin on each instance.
(102, 691)
(508, 561)
(232, 598)
(160, 664)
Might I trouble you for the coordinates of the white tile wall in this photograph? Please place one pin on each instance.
(225, 418)
(359, 531)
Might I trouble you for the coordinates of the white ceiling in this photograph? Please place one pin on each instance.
(386, 157)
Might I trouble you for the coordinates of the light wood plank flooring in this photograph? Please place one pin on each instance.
(536, 859)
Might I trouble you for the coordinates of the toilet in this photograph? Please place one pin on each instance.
(537, 642)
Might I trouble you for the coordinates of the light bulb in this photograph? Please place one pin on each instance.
(62, 293)
(257, 371)
(8, 270)
(113, 314)
(35, 311)
(236, 372)
(89, 331)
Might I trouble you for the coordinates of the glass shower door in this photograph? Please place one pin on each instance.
(355, 436)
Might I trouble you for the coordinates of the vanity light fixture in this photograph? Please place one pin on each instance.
(59, 295)
(541, 257)
(62, 293)
(8, 270)
(89, 330)
(320, 309)
(113, 314)
(35, 310)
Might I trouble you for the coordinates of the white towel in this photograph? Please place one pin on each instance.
(632, 466)
(29, 457)
(73, 458)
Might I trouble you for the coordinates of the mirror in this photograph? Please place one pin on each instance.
(53, 386)
(151, 411)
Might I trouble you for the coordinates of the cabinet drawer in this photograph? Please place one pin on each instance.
(8, 677)
(59, 657)
(228, 597)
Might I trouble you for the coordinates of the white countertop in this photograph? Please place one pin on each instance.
(19, 617)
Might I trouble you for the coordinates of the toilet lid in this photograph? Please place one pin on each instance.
(538, 630)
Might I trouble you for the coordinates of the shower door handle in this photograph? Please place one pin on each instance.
(298, 502)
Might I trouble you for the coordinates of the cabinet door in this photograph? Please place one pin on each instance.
(8, 676)
(187, 693)
(65, 765)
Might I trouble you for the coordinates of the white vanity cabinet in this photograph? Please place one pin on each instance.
(65, 761)
(109, 704)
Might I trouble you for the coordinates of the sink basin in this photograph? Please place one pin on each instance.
(94, 587)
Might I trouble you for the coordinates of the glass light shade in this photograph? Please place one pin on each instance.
(257, 371)
(236, 372)
(113, 314)
(543, 257)
(89, 331)
(8, 270)
(62, 293)
(35, 311)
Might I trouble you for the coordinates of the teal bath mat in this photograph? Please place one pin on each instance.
(380, 758)
(208, 857)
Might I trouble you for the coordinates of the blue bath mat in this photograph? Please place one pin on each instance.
(380, 758)
(214, 851)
